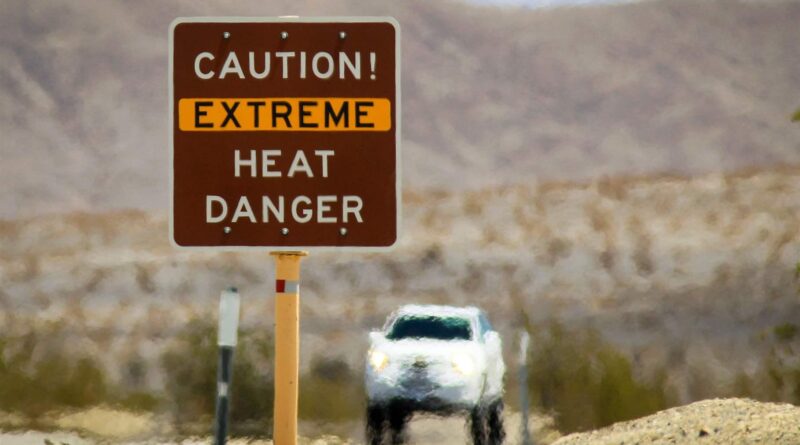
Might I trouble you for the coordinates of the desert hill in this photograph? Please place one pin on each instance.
(491, 96)
(677, 272)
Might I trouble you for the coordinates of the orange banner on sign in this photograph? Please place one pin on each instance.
(285, 114)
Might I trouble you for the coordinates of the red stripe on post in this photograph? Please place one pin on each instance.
(280, 286)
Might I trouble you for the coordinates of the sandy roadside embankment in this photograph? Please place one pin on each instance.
(714, 421)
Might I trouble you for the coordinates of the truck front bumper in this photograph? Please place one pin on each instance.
(424, 390)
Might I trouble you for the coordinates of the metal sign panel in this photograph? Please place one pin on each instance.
(285, 132)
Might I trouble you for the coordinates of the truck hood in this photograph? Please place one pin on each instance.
(408, 351)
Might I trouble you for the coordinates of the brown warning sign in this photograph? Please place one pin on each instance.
(285, 132)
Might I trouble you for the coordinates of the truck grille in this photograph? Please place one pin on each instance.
(417, 383)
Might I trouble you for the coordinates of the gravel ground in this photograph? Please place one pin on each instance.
(715, 421)
(105, 427)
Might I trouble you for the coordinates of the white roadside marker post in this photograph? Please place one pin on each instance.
(229, 303)
(524, 339)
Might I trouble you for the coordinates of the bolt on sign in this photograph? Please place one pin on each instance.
(285, 132)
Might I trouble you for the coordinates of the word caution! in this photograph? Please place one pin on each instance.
(322, 65)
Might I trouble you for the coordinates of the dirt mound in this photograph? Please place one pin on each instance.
(715, 421)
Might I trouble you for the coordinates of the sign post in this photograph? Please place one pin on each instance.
(285, 136)
(287, 345)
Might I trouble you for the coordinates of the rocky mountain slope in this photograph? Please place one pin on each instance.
(490, 95)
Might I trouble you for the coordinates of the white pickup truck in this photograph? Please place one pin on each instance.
(436, 359)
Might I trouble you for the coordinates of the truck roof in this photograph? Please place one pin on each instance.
(438, 310)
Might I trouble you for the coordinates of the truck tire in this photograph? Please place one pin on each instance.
(477, 425)
(376, 417)
(399, 415)
(496, 432)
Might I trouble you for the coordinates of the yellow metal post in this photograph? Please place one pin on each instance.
(287, 345)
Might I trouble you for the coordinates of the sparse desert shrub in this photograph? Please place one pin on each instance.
(612, 188)
(138, 400)
(144, 278)
(331, 391)
(606, 259)
(585, 382)
(54, 380)
(642, 257)
(557, 249)
(602, 221)
(778, 379)
(785, 332)
(190, 365)
(473, 205)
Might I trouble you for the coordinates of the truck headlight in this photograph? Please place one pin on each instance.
(378, 360)
(463, 363)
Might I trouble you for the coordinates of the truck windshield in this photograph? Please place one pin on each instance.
(426, 326)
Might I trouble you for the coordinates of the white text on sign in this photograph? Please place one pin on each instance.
(288, 64)
(271, 163)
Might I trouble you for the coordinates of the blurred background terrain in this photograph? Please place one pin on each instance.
(622, 180)
(492, 96)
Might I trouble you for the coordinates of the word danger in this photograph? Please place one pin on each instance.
(261, 65)
(302, 209)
